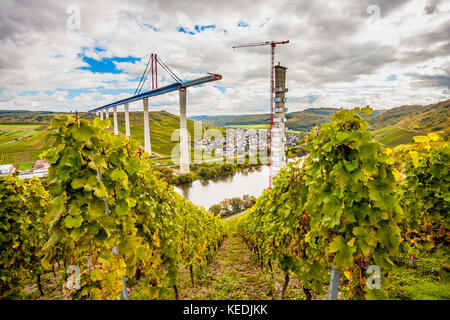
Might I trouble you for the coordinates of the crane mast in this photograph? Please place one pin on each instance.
(272, 45)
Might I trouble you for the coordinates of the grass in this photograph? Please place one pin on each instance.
(232, 223)
(429, 279)
(393, 136)
(19, 125)
(25, 165)
(232, 275)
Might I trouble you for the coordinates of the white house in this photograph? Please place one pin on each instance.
(6, 169)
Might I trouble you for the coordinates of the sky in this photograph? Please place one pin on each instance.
(78, 55)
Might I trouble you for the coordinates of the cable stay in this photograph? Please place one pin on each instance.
(139, 87)
(152, 68)
(169, 71)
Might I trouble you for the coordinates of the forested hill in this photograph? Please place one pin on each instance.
(433, 117)
(302, 121)
(411, 120)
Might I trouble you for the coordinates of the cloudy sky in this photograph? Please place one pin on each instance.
(77, 55)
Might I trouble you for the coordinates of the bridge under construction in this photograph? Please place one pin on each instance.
(180, 86)
(277, 104)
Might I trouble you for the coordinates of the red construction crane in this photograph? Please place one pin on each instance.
(272, 45)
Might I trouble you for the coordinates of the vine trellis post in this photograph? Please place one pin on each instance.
(124, 292)
(334, 283)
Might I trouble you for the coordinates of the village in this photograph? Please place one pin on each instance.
(241, 141)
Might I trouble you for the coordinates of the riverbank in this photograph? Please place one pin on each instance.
(209, 192)
(203, 172)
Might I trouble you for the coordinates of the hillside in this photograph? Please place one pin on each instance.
(391, 127)
(22, 133)
(21, 117)
(162, 124)
(302, 121)
(299, 120)
(399, 125)
(433, 117)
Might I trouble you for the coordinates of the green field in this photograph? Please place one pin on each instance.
(21, 143)
(393, 136)
(19, 125)
(24, 143)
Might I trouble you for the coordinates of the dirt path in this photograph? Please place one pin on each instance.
(235, 274)
(232, 275)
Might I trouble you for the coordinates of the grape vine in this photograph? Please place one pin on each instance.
(340, 207)
(22, 234)
(105, 212)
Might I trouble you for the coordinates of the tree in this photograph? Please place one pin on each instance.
(215, 209)
(236, 204)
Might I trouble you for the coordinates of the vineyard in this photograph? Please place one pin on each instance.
(352, 204)
(103, 212)
(105, 219)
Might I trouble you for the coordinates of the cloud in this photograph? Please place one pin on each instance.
(340, 53)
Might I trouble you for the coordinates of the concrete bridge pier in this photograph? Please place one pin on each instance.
(106, 113)
(127, 121)
(116, 127)
(101, 114)
(147, 145)
(184, 147)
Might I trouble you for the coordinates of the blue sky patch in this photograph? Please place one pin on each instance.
(181, 29)
(105, 65)
(392, 77)
(197, 29)
(34, 93)
(242, 24)
(149, 26)
(222, 88)
(312, 98)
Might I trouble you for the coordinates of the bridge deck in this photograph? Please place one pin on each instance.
(162, 90)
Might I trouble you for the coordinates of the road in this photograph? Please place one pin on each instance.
(235, 215)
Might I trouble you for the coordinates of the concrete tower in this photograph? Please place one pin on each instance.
(279, 121)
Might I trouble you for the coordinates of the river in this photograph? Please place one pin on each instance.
(209, 192)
